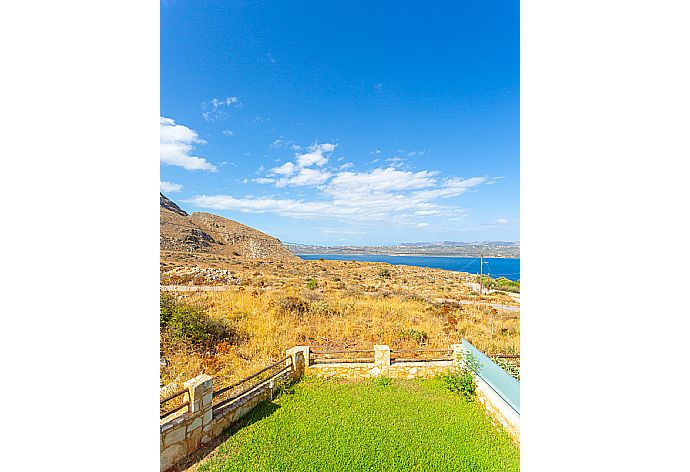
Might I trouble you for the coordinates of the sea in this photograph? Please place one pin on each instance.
(493, 266)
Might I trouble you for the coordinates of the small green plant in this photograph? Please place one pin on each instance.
(312, 284)
(385, 274)
(461, 381)
(420, 337)
(383, 381)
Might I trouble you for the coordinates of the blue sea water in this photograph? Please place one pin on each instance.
(494, 267)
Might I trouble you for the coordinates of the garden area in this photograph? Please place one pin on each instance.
(377, 425)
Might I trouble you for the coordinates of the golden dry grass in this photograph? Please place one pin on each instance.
(352, 307)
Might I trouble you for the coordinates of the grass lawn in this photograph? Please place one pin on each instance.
(373, 426)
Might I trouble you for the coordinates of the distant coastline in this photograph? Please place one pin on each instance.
(494, 267)
(495, 249)
(390, 254)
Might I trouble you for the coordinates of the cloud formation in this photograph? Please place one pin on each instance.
(176, 145)
(214, 109)
(169, 187)
(383, 194)
(316, 155)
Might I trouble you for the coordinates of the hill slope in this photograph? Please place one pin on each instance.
(207, 233)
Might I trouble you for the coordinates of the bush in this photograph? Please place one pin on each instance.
(462, 381)
(385, 273)
(312, 284)
(190, 326)
(419, 336)
(293, 305)
(321, 308)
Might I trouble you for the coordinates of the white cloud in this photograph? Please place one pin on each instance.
(416, 154)
(169, 187)
(305, 178)
(176, 144)
(277, 143)
(347, 165)
(396, 162)
(295, 147)
(502, 221)
(422, 225)
(381, 180)
(264, 180)
(228, 132)
(286, 169)
(452, 188)
(316, 155)
(214, 108)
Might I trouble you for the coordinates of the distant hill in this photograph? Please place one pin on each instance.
(207, 233)
(444, 248)
(461, 244)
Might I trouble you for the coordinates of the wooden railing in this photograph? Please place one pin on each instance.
(173, 396)
(417, 355)
(342, 356)
(242, 387)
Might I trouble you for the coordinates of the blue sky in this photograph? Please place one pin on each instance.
(344, 122)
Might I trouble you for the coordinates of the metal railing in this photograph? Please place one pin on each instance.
(421, 355)
(240, 389)
(344, 356)
(172, 396)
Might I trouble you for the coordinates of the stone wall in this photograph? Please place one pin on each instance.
(499, 410)
(183, 434)
(384, 367)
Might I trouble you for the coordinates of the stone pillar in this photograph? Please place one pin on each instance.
(382, 356)
(200, 396)
(300, 360)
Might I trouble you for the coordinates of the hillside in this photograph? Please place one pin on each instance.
(212, 234)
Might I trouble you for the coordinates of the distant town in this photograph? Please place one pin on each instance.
(441, 248)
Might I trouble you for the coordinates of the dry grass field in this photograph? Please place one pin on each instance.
(269, 306)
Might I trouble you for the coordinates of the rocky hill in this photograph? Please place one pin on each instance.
(207, 233)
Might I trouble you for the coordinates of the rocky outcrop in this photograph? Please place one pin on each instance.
(170, 205)
(204, 232)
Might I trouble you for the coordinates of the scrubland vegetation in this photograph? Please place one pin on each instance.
(271, 306)
(374, 425)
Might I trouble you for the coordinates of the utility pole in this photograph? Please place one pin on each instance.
(481, 272)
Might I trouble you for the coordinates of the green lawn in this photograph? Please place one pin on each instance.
(336, 426)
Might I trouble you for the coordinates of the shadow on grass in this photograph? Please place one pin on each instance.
(261, 411)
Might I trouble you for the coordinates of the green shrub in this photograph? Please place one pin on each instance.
(461, 380)
(385, 274)
(312, 284)
(190, 326)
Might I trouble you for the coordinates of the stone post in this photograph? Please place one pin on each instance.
(300, 360)
(200, 394)
(382, 356)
